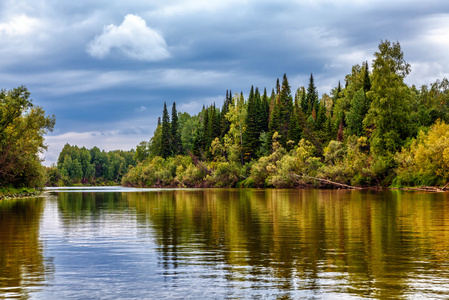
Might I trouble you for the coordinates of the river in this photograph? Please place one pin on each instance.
(117, 243)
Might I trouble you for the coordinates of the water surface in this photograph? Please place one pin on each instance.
(112, 243)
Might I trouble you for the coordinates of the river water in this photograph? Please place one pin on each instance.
(116, 243)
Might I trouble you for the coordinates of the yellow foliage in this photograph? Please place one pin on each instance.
(427, 156)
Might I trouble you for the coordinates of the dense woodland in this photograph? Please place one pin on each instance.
(90, 166)
(374, 130)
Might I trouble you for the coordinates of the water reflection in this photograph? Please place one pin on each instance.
(382, 245)
(224, 243)
(22, 265)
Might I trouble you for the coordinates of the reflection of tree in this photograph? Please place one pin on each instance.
(303, 239)
(21, 260)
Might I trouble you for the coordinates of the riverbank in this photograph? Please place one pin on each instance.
(13, 193)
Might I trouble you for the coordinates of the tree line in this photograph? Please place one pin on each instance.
(373, 131)
(77, 165)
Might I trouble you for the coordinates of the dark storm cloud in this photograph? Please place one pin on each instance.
(108, 66)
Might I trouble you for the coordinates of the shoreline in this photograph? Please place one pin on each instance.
(12, 193)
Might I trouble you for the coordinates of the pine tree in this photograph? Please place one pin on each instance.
(166, 134)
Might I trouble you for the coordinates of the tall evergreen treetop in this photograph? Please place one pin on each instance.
(175, 133)
(166, 134)
(312, 96)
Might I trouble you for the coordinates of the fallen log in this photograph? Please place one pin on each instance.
(327, 181)
(446, 186)
(423, 189)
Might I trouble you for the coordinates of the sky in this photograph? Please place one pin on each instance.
(105, 68)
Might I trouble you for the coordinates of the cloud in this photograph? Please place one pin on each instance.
(141, 109)
(133, 38)
(19, 26)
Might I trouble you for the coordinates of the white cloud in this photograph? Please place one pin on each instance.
(133, 38)
(141, 109)
(19, 26)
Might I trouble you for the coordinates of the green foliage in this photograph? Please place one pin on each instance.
(357, 112)
(311, 97)
(82, 166)
(389, 114)
(22, 129)
(176, 142)
(166, 138)
(352, 136)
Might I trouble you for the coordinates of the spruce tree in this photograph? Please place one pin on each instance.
(312, 96)
(224, 122)
(286, 110)
(264, 112)
(166, 133)
(358, 111)
(366, 80)
(251, 133)
(175, 134)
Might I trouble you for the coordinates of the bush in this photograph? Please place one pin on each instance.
(426, 160)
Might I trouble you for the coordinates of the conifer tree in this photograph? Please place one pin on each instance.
(355, 116)
(294, 133)
(224, 122)
(207, 131)
(301, 97)
(264, 112)
(166, 133)
(251, 133)
(320, 116)
(175, 134)
(366, 80)
(215, 123)
(272, 105)
(282, 111)
(312, 96)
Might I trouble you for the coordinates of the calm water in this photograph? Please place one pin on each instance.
(233, 244)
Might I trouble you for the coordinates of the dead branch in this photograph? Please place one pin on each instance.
(327, 181)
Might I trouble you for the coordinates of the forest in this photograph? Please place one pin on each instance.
(371, 131)
(81, 166)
